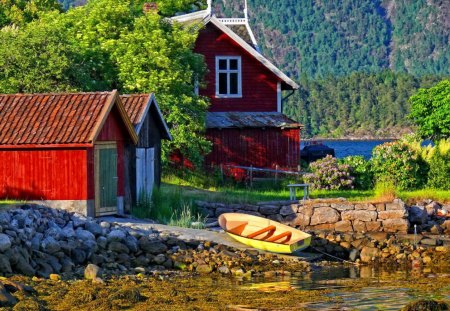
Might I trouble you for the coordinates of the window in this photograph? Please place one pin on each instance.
(228, 76)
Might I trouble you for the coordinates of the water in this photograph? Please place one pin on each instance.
(344, 148)
(377, 290)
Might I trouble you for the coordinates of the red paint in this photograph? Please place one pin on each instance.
(50, 174)
(263, 148)
(114, 130)
(259, 85)
(64, 173)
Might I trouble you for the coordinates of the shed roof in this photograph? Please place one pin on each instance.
(137, 107)
(235, 119)
(57, 118)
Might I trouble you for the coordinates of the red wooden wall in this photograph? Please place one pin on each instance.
(114, 130)
(58, 173)
(48, 174)
(259, 85)
(264, 148)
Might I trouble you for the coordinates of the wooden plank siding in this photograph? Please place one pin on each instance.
(44, 174)
(259, 85)
(265, 148)
(149, 137)
(113, 130)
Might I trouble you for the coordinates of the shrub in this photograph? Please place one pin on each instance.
(328, 174)
(385, 190)
(361, 170)
(439, 162)
(401, 163)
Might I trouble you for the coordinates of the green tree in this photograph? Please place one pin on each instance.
(19, 12)
(35, 58)
(431, 111)
(156, 56)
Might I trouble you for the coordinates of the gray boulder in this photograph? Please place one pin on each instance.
(116, 235)
(94, 228)
(152, 247)
(418, 215)
(50, 245)
(5, 242)
(84, 235)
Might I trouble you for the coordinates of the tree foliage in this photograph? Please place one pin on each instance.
(431, 111)
(19, 12)
(104, 45)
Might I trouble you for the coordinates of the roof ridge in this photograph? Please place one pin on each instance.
(57, 93)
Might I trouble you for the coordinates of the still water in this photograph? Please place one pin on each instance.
(344, 148)
(360, 288)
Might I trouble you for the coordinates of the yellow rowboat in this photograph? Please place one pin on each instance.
(264, 234)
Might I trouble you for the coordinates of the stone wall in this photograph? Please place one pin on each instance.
(341, 215)
(328, 214)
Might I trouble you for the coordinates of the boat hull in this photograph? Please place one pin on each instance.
(264, 234)
(272, 247)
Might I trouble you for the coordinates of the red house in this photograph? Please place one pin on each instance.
(65, 150)
(245, 120)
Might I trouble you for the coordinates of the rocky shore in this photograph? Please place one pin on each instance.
(54, 245)
(39, 241)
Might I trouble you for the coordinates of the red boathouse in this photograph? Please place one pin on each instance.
(245, 120)
(65, 150)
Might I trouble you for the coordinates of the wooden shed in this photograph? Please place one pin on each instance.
(143, 169)
(65, 150)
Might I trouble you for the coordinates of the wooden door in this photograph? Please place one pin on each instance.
(106, 179)
(145, 171)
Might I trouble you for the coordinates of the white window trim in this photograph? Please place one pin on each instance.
(239, 72)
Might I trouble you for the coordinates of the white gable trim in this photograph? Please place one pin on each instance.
(252, 51)
(205, 15)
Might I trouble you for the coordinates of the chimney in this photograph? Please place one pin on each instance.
(150, 7)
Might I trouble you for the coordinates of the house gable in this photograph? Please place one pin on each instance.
(259, 84)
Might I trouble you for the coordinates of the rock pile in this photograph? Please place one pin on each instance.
(342, 216)
(381, 247)
(39, 241)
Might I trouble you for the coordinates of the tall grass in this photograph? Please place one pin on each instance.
(168, 206)
(385, 191)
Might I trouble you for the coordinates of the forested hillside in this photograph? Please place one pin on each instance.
(357, 61)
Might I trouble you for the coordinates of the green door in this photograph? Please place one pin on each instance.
(106, 179)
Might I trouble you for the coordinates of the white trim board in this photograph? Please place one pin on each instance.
(228, 71)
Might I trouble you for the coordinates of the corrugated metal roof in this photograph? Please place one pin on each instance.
(236, 119)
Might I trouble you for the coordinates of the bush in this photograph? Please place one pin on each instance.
(401, 163)
(361, 170)
(439, 162)
(328, 174)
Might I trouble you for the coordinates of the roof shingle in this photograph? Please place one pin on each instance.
(235, 119)
(51, 118)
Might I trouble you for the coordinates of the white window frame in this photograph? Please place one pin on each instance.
(228, 71)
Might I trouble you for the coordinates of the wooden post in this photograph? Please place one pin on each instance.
(221, 172)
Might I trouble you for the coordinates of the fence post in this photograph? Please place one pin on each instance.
(251, 176)
(276, 174)
(221, 172)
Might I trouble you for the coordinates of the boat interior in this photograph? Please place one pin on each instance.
(264, 232)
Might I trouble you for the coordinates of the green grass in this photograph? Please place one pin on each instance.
(5, 203)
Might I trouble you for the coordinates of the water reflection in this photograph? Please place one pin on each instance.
(377, 288)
